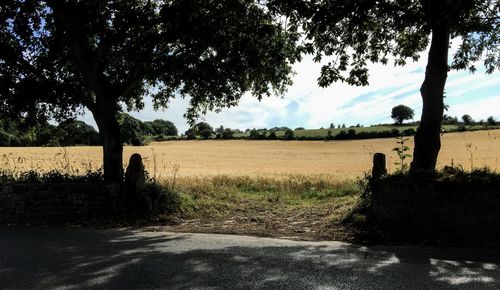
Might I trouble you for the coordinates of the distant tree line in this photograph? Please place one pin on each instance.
(71, 132)
(134, 131)
(467, 120)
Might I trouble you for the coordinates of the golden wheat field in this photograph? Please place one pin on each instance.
(341, 159)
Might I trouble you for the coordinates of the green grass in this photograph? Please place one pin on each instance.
(227, 196)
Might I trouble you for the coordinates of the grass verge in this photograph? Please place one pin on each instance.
(294, 206)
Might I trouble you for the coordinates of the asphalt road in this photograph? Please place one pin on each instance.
(69, 258)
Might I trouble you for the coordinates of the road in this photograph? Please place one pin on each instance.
(72, 258)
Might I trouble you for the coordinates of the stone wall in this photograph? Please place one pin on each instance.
(434, 211)
(56, 203)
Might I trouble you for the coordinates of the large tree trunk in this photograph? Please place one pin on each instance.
(427, 138)
(112, 146)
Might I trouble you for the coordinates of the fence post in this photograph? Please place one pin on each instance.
(379, 168)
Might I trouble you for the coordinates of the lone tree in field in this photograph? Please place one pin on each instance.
(467, 119)
(400, 113)
(353, 33)
(60, 56)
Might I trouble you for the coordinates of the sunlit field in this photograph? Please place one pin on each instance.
(338, 159)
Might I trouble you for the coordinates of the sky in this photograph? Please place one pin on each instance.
(307, 105)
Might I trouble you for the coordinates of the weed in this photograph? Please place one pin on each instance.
(402, 154)
(471, 151)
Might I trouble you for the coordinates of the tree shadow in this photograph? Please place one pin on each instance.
(47, 258)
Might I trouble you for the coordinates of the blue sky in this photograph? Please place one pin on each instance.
(307, 105)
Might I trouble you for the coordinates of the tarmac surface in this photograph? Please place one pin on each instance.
(73, 258)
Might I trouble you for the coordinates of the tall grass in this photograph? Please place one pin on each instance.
(307, 186)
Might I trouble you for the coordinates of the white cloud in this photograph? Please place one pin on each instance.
(341, 103)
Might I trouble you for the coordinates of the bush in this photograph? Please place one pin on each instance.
(409, 132)
(394, 132)
(428, 208)
(289, 135)
(158, 199)
(342, 135)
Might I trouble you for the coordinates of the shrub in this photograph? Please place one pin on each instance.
(158, 199)
(409, 132)
(289, 135)
(342, 135)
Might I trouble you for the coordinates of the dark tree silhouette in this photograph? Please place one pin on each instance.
(467, 119)
(58, 56)
(400, 113)
(355, 33)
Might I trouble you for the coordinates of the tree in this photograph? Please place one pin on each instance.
(59, 56)
(74, 132)
(131, 129)
(228, 134)
(467, 119)
(218, 132)
(355, 33)
(161, 127)
(190, 135)
(289, 135)
(400, 113)
(204, 130)
(491, 121)
(254, 134)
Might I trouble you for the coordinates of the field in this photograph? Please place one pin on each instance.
(293, 189)
(338, 159)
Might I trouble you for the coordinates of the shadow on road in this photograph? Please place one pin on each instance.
(48, 258)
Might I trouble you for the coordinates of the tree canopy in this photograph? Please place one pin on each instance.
(400, 113)
(61, 56)
(467, 119)
(348, 35)
(161, 127)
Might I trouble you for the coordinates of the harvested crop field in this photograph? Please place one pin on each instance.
(340, 159)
